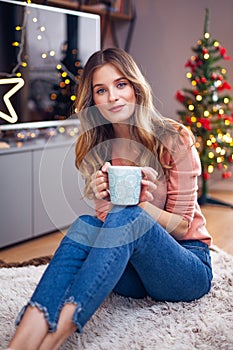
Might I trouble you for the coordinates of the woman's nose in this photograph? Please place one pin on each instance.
(113, 95)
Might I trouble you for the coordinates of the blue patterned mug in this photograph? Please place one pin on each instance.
(124, 184)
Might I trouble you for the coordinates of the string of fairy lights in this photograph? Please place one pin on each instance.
(65, 76)
(22, 60)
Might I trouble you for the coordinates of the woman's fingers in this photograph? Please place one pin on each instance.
(149, 184)
(99, 184)
(150, 174)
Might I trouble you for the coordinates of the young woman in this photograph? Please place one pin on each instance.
(158, 248)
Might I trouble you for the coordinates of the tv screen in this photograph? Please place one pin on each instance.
(43, 50)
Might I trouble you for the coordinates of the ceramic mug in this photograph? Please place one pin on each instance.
(124, 184)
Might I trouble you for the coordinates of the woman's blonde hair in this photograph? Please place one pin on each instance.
(146, 125)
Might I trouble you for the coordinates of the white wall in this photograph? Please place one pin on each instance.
(164, 33)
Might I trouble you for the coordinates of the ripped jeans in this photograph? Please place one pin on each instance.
(130, 254)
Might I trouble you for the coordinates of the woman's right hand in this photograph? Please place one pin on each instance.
(99, 183)
(100, 188)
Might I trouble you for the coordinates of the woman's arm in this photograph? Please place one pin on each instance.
(172, 223)
(178, 212)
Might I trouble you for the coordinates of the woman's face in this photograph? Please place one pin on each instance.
(113, 94)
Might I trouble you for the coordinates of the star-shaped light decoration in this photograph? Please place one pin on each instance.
(12, 116)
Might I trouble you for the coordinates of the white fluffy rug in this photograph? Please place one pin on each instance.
(122, 323)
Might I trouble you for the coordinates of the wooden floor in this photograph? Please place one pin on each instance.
(219, 223)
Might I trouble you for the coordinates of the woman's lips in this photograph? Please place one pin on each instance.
(116, 108)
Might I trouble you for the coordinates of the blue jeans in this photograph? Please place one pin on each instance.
(130, 254)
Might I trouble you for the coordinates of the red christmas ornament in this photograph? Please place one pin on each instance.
(214, 76)
(205, 123)
(224, 86)
(203, 80)
(206, 175)
(226, 174)
(180, 96)
(223, 53)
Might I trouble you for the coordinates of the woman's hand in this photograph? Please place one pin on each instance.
(99, 182)
(149, 186)
(100, 186)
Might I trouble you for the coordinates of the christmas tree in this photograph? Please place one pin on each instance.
(208, 109)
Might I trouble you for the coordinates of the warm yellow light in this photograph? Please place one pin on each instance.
(17, 28)
(15, 43)
(206, 113)
(62, 129)
(191, 107)
(223, 71)
(206, 56)
(194, 83)
(211, 155)
(219, 159)
(223, 152)
(24, 64)
(42, 28)
(73, 97)
(189, 75)
(59, 66)
(226, 100)
(216, 43)
(193, 119)
(44, 55)
(210, 169)
(219, 135)
(215, 109)
(52, 53)
(218, 83)
(218, 149)
(227, 122)
(12, 117)
(198, 97)
(67, 81)
(207, 35)
(221, 111)
(198, 145)
(53, 97)
(199, 125)
(213, 139)
(209, 143)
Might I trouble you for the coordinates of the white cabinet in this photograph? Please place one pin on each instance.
(40, 191)
(15, 197)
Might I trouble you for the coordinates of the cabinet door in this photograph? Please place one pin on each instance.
(15, 197)
(58, 186)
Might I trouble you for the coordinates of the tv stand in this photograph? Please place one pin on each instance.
(41, 190)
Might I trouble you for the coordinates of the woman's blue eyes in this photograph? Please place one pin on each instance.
(100, 91)
(120, 85)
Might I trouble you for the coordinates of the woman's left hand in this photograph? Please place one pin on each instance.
(149, 184)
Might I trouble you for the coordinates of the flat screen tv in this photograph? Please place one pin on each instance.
(43, 50)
